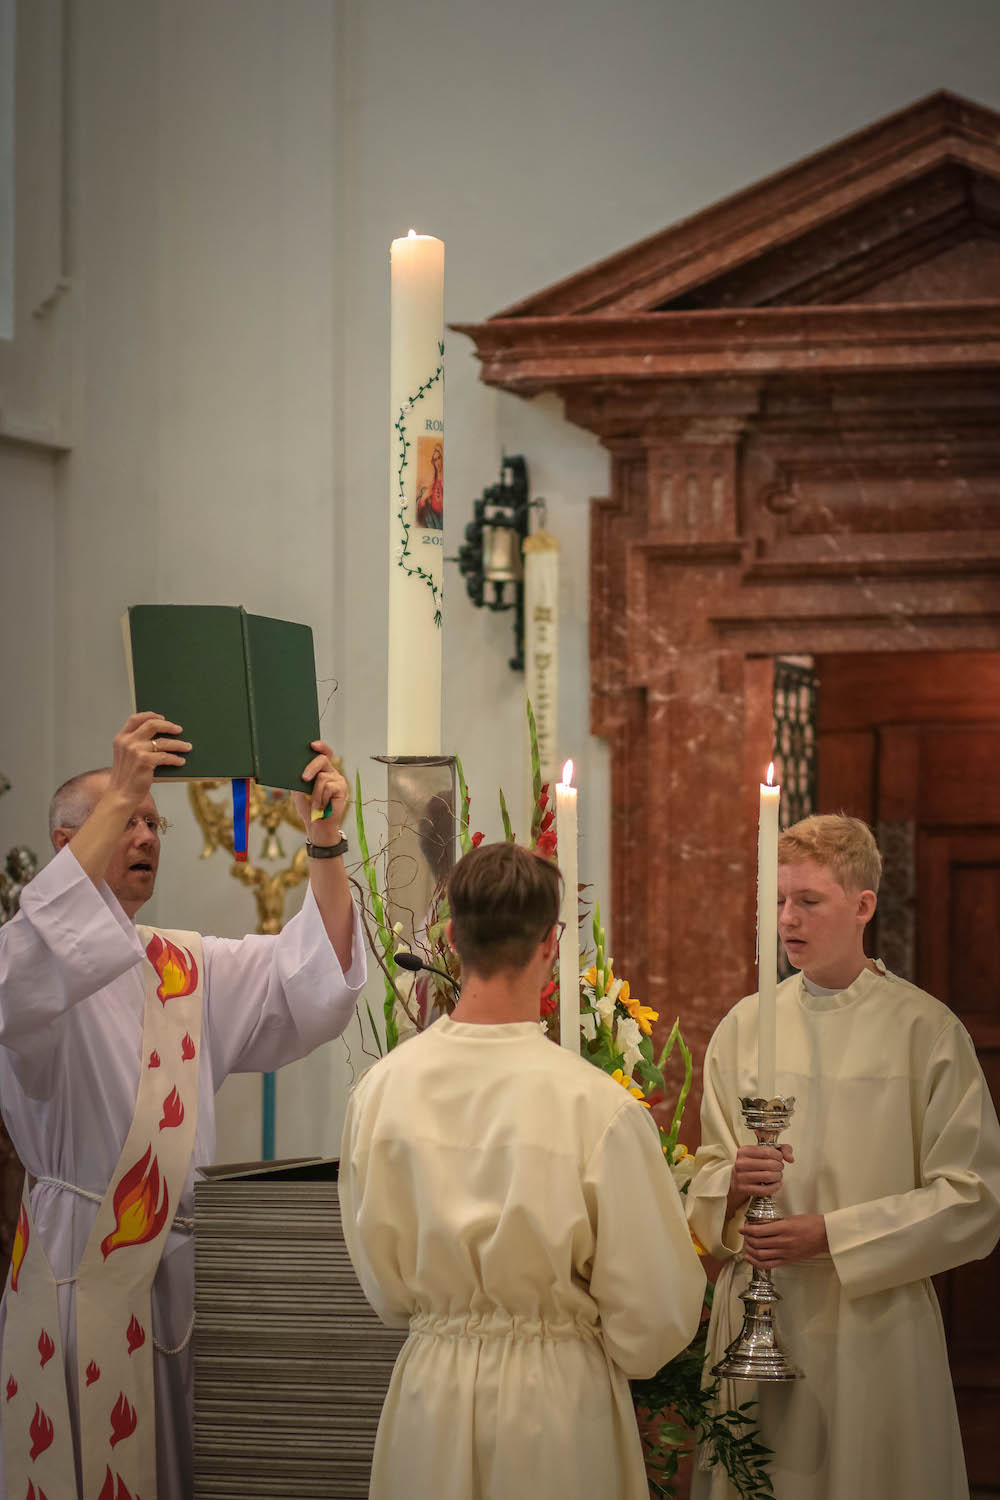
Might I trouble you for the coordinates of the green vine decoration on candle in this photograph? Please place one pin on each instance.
(414, 568)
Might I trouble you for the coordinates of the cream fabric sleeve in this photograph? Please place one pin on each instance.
(645, 1275)
(271, 1000)
(953, 1216)
(708, 1189)
(364, 1226)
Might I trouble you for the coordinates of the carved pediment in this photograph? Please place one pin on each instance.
(907, 210)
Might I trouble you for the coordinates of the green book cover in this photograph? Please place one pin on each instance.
(243, 687)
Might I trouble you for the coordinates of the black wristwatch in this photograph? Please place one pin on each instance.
(326, 851)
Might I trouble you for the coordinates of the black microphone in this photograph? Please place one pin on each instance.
(415, 963)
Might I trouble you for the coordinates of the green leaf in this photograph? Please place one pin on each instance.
(385, 933)
(464, 836)
(508, 831)
(536, 765)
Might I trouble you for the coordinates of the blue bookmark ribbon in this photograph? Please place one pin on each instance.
(241, 817)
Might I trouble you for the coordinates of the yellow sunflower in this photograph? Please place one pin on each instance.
(633, 1088)
(644, 1014)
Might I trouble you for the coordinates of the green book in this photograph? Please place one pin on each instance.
(243, 687)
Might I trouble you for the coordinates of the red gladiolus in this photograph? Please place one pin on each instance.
(477, 839)
(550, 998)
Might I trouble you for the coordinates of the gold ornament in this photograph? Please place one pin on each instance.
(270, 809)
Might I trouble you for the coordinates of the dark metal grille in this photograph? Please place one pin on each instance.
(795, 685)
(795, 739)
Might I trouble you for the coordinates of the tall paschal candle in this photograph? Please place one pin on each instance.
(416, 494)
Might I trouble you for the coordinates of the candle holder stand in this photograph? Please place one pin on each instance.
(757, 1354)
(421, 835)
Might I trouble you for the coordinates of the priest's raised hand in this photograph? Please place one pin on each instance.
(321, 813)
(109, 816)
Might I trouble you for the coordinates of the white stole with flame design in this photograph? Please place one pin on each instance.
(113, 1280)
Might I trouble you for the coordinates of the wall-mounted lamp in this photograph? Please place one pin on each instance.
(490, 558)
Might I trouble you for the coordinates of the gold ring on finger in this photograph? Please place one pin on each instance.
(156, 748)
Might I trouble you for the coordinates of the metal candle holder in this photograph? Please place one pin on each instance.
(757, 1354)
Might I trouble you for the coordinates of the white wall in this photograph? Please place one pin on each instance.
(237, 169)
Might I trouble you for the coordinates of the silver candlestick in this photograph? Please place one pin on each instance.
(757, 1354)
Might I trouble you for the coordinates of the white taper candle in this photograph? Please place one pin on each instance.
(767, 935)
(569, 943)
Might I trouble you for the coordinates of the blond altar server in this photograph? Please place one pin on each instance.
(509, 1203)
(113, 1042)
(893, 1176)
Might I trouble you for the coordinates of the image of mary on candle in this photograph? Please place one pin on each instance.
(430, 483)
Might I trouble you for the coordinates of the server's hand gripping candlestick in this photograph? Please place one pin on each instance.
(757, 1353)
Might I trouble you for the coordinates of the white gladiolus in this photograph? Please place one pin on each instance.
(628, 1038)
(606, 1008)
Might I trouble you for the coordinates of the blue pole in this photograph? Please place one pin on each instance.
(267, 1117)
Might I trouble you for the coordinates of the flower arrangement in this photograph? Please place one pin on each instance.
(676, 1408)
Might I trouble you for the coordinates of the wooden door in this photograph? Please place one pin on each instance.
(913, 745)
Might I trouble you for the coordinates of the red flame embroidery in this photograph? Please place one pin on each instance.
(124, 1493)
(135, 1335)
(176, 967)
(154, 1059)
(11, 1388)
(123, 1420)
(93, 1372)
(41, 1432)
(137, 1217)
(21, 1238)
(187, 1047)
(46, 1348)
(173, 1110)
(32, 1492)
(108, 1487)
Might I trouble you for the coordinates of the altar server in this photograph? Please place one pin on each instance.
(113, 1042)
(510, 1204)
(892, 1176)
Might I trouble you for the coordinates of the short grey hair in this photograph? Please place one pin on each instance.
(73, 802)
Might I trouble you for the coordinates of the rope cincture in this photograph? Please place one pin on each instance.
(180, 1222)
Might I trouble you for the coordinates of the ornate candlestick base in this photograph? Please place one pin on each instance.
(756, 1354)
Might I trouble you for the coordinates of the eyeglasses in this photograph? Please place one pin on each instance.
(157, 826)
(562, 928)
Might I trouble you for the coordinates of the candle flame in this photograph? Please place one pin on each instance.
(770, 774)
(411, 234)
(567, 774)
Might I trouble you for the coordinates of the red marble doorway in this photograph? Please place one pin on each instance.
(912, 744)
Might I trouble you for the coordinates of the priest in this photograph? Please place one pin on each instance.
(509, 1203)
(114, 1039)
(892, 1176)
